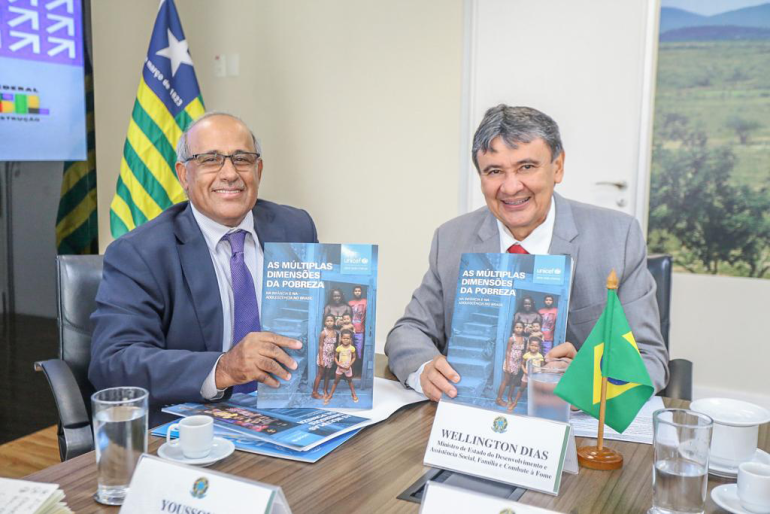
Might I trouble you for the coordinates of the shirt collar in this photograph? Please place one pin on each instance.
(538, 242)
(213, 232)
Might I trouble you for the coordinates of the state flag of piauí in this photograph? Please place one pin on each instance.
(167, 102)
(610, 350)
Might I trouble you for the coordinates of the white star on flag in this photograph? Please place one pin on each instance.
(177, 51)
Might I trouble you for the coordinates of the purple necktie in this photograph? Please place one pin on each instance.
(246, 315)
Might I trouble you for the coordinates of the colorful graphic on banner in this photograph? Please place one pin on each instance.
(22, 104)
(42, 104)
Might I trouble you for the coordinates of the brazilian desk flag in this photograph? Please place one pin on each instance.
(610, 350)
(167, 102)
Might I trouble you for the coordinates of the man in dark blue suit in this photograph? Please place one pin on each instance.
(175, 314)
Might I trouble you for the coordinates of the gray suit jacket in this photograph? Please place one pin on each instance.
(597, 239)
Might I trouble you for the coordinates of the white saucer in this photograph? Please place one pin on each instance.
(729, 472)
(726, 496)
(220, 449)
(734, 413)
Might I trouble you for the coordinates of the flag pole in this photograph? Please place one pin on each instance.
(612, 283)
(602, 410)
(598, 457)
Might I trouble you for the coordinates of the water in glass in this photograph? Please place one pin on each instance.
(120, 437)
(541, 400)
(681, 440)
(679, 486)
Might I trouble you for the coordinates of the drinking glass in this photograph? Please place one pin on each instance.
(120, 437)
(542, 379)
(681, 461)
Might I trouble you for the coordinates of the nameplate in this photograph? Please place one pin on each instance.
(519, 450)
(161, 486)
(440, 499)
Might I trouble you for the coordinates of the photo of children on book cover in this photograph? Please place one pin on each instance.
(509, 309)
(323, 295)
(294, 428)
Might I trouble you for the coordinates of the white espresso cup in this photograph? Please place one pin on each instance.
(754, 487)
(732, 445)
(736, 429)
(196, 436)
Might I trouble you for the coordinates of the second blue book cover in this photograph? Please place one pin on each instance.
(508, 309)
(325, 296)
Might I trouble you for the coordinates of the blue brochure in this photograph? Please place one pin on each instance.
(296, 429)
(325, 296)
(247, 444)
(509, 308)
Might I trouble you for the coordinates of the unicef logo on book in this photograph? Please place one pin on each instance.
(200, 488)
(356, 259)
(500, 425)
(549, 269)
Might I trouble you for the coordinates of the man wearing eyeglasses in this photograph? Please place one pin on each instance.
(178, 307)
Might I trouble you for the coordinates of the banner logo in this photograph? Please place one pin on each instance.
(20, 101)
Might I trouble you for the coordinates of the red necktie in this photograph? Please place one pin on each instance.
(517, 248)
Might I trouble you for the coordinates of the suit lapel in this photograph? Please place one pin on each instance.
(564, 231)
(201, 279)
(488, 240)
(264, 224)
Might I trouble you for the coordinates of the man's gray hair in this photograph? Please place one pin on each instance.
(183, 151)
(516, 125)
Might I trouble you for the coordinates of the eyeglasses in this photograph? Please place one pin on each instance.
(214, 161)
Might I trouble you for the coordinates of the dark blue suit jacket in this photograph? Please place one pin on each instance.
(158, 322)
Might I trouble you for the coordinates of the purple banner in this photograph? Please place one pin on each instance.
(42, 30)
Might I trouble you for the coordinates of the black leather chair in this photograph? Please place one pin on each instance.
(78, 278)
(680, 370)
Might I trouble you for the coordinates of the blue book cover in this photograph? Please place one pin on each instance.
(248, 444)
(296, 429)
(325, 296)
(509, 308)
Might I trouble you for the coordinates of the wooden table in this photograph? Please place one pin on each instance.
(383, 460)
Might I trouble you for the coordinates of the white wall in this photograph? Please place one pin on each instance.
(356, 103)
(720, 323)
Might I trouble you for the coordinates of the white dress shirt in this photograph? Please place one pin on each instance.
(220, 253)
(538, 242)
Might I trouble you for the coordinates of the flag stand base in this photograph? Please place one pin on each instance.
(605, 459)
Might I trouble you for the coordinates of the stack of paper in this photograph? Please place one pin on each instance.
(640, 431)
(22, 497)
